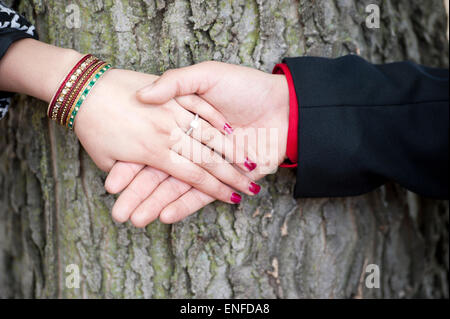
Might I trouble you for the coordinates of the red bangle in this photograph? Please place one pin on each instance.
(61, 101)
(70, 96)
(63, 84)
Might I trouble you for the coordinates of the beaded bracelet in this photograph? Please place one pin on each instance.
(67, 87)
(70, 91)
(85, 94)
(64, 87)
(74, 89)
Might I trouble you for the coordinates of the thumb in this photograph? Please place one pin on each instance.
(173, 83)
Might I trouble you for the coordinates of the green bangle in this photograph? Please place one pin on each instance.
(85, 94)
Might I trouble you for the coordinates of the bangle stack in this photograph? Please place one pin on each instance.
(74, 89)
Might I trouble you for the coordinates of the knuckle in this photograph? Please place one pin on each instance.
(163, 128)
(133, 168)
(199, 200)
(210, 159)
(207, 136)
(209, 165)
(148, 146)
(177, 187)
(148, 153)
(176, 140)
(150, 179)
(196, 176)
(238, 179)
(136, 192)
(222, 190)
(210, 134)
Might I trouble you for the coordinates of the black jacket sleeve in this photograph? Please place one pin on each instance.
(13, 27)
(361, 125)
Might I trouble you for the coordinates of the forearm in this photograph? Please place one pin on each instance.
(35, 68)
(361, 125)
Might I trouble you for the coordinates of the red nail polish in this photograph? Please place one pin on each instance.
(236, 198)
(254, 188)
(250, 165)
(227, 128)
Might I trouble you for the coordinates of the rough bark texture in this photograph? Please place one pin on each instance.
(55, 212)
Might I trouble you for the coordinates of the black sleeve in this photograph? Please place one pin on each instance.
(361, 125)
(13, 27)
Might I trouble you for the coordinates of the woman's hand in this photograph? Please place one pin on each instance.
(253, 101)
(112, 125)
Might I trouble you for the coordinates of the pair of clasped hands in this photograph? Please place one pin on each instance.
(160, 166)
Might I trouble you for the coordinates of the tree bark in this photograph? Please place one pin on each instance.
(54, 211)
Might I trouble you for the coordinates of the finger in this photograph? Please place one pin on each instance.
(238, 153)
(168, 191)
(233, 152)
(194, 175)
(215, 165)
(184, 206)
(136, 192)
(120, 175)
(189, 80)
(197, 105)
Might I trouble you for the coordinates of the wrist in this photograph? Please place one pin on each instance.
(39, 76)
(74, 89)
(68, 59)
(281, 96)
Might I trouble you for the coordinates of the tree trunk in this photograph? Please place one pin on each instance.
(54, 211)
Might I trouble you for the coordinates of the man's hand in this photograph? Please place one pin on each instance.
(256, 104)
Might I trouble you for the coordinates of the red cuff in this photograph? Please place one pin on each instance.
(292, 145)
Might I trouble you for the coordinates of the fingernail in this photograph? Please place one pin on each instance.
(254, 188)
(250, 165)
(227, 128)
(236, 198)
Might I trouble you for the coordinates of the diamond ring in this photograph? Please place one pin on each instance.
(194, 124)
